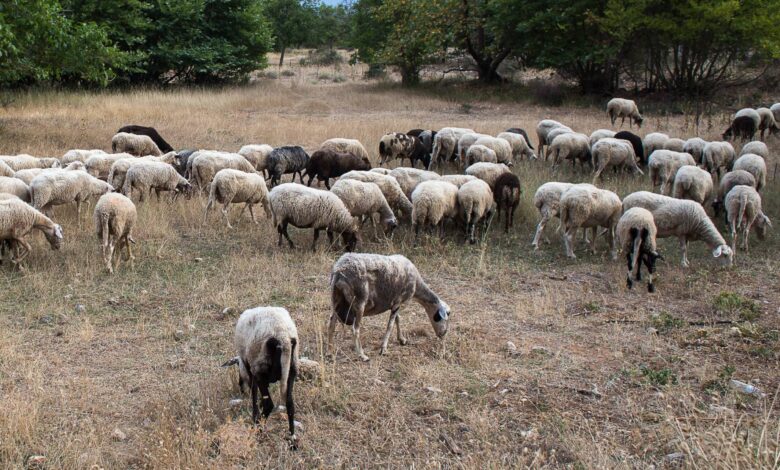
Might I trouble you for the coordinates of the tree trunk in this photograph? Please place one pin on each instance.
(489, 75)
(281, 56)
(410, 76)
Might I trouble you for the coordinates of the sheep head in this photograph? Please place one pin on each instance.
(439, 314)
(762, 225)
(54, 236)
(725, 254)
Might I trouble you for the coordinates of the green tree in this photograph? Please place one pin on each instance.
(368, 31)
(291, 21)
(487, 32)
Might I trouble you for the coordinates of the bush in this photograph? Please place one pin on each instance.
(376, 71)
(322, 57)
(546, 92)
(270, 74)
(288, 73)
(338, 78)
(731, 303)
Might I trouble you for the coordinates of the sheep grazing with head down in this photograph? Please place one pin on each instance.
(267, 347)
(743, 212)
(547, 201)
(16, 187)
(480, 153)
(636, 143)
(445, 144)
(521, 131)
(205, 164)
(767, 123)
(234, 187)
(757, 147)
(636, 233)
(675, 145)
(507, 197)
(520, 146)
(663, 165)
(304, 207)
(390, 189)
(99, 165)
(409, 178)
(775, 108)
(464, 143)
(691, 182)
(613, 153)
(543, 129)
(17, 220)
(475, 200)
(599, 134)
(134, 144)
(115, 217)
(695, 147)
(717, 156)
(396, 145)
(488, 172)
(352, 146)
(364, 285)
(652, 142)
(729, 180)
(623, 108)
(289, 159)
(24, 161)
(742, 127)
(571, 146)
(29, 174)
(148, 175)
(363, 200)
(327, 164)
(586, 206)
(755, 165)
(79, 155)
(118, 171)
(432, 203)
(257, 155)
(150, 132)
(64, 187)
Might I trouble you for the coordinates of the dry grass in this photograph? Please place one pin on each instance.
(143, 354)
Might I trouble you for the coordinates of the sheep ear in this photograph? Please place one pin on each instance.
(718, 251)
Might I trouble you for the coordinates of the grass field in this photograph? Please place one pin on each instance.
(100, 371)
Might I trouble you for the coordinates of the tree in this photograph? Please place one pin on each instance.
(487, 29)
(291, 21)
(368, 31)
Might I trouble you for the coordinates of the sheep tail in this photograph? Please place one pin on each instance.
(742, 207)
(340, 293)
(638, 237)
(286, 358)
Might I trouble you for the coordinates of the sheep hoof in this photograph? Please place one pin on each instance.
(629, 283)
(403, 341)
(293, 442)
(651, 288)
(364, 358)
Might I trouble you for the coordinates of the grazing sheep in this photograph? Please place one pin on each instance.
(99, 165)
(64, 187)
(743, 212)
(613, 153)
(78, 155)
(571, 146)
(305, 207)
(148, 175)
(488, 172)
(267, 346)
(445, 144)
(652, 142)
(520, 146)
(775, 108)
(183, 162)
(683, 219)
(205, 164)
(691, 182)
(390, 188)
(235, 186)
(552, 135)
(599, 134)
(729, 180)
(756, 147)
(24, 161)
(767, 123)
(425, 136)
(743, 128)
(364, 285)
(695, 147)
(327, 164)
(17, 220)
(150, 132)
(589, 207)
(750, 113)
(464, 143)
(257, 155)
(288, 159)
(29, 174)
(115, 217)
(409, 178)
(352, 146)
(138, 145)
(396, 145)
(16, 187)
(547, 201)
(636, 143)
(118, 171)
(755, 165)
(521, 131)
(458, 180)
(718, 155)
(663, 165)
(623, 108)
(432, 203)
(675, 145)
(480, 153)
(636, 233)
(475, 200)
(6, 170)
(363, 200)
(426, 140)
(507, 197)
(543, 128)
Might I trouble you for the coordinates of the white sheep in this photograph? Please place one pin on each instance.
(480, 153)
(145, 176)
(78, 155)
(488, 172)
(118, 171)
(663, 165)
(729, 180)
(695, 147)
(589, 207)
(99, 164)
(768, 122)
(24, 161)
(352, 146)
(599, 134)
(17, 220)
(389, 187)
(683, 219)
(691, 182)
(652, 142)
(743, 212)
(458, 180)
(234, 187)
(409, 178)
(757, 147)
(552, 135)
(16, 187)
(205, 164)
(363, 200)
(29, 174)
(432, 203)
(623, 108)
(775, 108)
(636, 234)
(135, 144)
(380, 170)
(547, 201)
(613, 153)
(571, 146)
(520, 147)
(751, 113)
(304, 207)
(257, 155)
(365, 285)
(464, 143)
(64, 187)
(6, 170)
(675, 145)
(115, 218)
(543, 129)
(755, 165)
(396, 145)
(445, 144)
(475, 201)
(718, 155)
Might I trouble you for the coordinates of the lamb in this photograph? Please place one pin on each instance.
(409, 178)
(691, 182)
(480, 153)
(589, 207)
(257, 155)
(636, 234)
(599, 134)
(507, 197)
(138, 145)
(613, 153)
(267, 346)
(16, 187)
(543, 128)
(205, 164)
(675, 145)
(636, 143)
(464, 143)
(396, 145)
(6, 170)
(151, 132)
(458, 180)
(64, 187)
(652, 142)
(352, 146)
(24, 161)
(743, 211)
(547, 200)
(488, 172)
(623, 108)
(365, 199)
(370, 284)
(17, 220)
(756, 147)
(695, 147)
(115, 217)
(445, 144)
(118, 171)
(743, 127)
(683, 219)
(327, 164)
(475, 200)
(99, 165)
(520, 146)
(145, 176)
(432, 203)
(767, 122)
(288, 159)
(235, 186)
(78, 155)
(305, 207)
(571, 146)
(755, 165)
(718, 155)
(29, 174)
(729, 180)
(390, 189)
(663, 165)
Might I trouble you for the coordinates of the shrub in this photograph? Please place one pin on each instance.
(731, 303)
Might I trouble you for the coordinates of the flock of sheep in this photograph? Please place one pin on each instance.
(685, 172)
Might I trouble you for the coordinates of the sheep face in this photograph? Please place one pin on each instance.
(638, 121)
(762, 224)
(440, 315)
(724, 254)
(183, 186)
(54, 237)
(350, 239)
(390, 225)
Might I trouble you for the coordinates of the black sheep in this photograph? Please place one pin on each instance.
(326, 164)
(288, 159)
(636, 142)
(506, 193)
(743, 127)
(148, 131)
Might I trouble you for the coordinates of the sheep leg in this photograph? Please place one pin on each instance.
(327, 183)
(568, 241)
(623, 121)
(282, 228)
(386, 338)
(650, 263)
(225, 213)
(290, 405)
(251, 212)
(253, 385)
(733, 231)
(630, 263)
(611, 241)
(314, 240)
(441, 229)
(593, 242)
(539, 230)
(356, 330)
(265, 394)
(108, 255)
(331, 330)
(745, 236)
(401, 339)
(18, 258)
(684, 252)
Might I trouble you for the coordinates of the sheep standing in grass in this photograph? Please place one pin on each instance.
(6, 170)
(205, 164)
(396, 145)
(118, 171)
(409, 178)
(767, 122)
(304, 207)
(445, 144)
(364, 285)
(115, 217)
(64, 187)
(757, 147)
(589, 207)
(636, 234)
(520, 147)
(475, 200)
(464, 143)
(151, 132)
(695, 147)
(29, 174)
(327, 164)
(675, 145)
(480, 153)
(352, 146)
(432, 203)
(522, 132)
(234, 187)
(507, 196)
(623, 108)
(547, 201)
(257, 155)
(636, 143)
(599, 134)
(24, 161)
(145, 176)
(138, 145)
(16, 187)
(17, 220)
(488, 172)
(285, 160)
(743, 127)
(78, 155)
(571, 146)
(543, 128)
(743, 211)
(99, 165)
(775, 108)
(389, 187)
(652, 142)
(691, 182)
(663, 166)
(729, 180)
(718, 155)
(613, 153)
(755, 165)
(364, 200)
